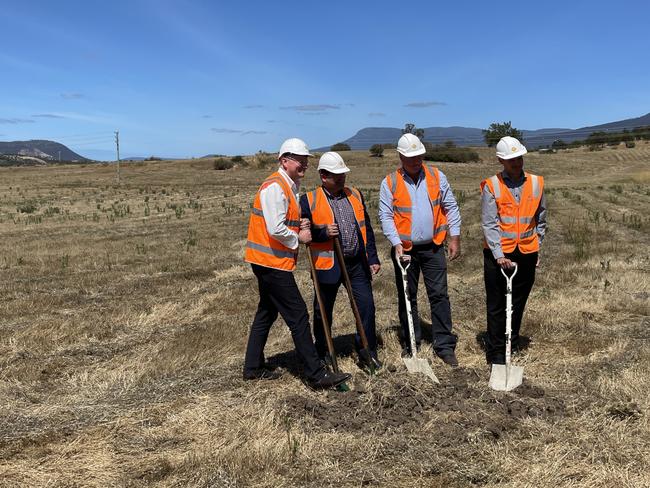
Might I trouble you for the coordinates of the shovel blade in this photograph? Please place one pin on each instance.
(506, 378)
(417, 365)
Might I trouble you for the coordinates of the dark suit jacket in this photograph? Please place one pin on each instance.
(367, 254)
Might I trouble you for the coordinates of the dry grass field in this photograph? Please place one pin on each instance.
(124, 314)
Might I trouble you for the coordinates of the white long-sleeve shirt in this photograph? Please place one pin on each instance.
(274, 207)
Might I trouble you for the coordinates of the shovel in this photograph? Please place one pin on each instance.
(413, 364)
(505, 377)
(372, 365)
(325, 319)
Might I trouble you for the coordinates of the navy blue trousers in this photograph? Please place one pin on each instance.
(362, 292)
(430, 260)
(279, 293)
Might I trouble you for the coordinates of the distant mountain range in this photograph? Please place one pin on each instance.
(362, 140)
(470, 136)
(48, 150)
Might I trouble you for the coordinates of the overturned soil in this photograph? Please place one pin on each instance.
(460, 406)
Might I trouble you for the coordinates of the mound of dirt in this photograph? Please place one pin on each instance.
(460, 406)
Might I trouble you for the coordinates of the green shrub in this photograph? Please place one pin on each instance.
(377, 150)
(450, 154)
(26, 207)
(237, 159)
(264, 159)
(222, 163)
(630, 144)
(340, 146)
(559, 144)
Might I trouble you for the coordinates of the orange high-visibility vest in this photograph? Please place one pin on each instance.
(517, 222)
(402, 209)
(322, 215)
(261, 248)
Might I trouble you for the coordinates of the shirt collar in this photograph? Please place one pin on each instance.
(329, 195)
(505, 176)
(420, 174)
(294, 186)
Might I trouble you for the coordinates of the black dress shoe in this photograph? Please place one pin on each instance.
(450, 359)
(330, 380)
(261, 374)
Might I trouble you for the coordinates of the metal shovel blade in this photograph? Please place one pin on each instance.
(506, 378)
(417, 365)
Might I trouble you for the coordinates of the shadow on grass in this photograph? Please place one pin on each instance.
(290, 362)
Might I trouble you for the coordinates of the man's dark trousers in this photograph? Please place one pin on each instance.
(495, 295)
(429, 259)
(279, 293)
(362, 292)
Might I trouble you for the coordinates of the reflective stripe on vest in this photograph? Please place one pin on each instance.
(271, 251)
(403, 210)
(322, 216)
(261, 248)
(287, 222)
(517, 223)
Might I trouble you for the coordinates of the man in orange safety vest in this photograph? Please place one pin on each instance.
(513, 218)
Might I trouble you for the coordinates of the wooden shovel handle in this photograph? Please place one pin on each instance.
(348, 287)
(323, 312)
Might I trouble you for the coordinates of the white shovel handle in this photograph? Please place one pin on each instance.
(401, 260)
(509, 278)
(409, 312)
(508, 315)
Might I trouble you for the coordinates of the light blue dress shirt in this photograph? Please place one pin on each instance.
(422, 216)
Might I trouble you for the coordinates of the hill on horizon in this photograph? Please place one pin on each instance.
(471, 136)
(39, 148)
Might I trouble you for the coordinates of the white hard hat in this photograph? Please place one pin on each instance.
(332, 162)
(294, 146)
(509, 148)
(409, 145)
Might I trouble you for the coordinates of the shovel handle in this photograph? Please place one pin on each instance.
(403, 263)
(348, 287)
(325, 320)
(509, 278)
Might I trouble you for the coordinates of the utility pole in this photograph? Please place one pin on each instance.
(117, 147)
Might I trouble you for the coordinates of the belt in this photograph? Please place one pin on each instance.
(425, 246)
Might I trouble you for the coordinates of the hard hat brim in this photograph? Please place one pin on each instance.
(514, 155)
(301, 153)
(410, 154)
(336, 171)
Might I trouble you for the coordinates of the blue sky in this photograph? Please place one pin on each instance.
(190, 78)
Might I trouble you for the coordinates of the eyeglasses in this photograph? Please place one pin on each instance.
(291, 157)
